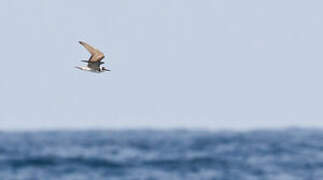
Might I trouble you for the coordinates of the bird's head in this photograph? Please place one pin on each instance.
(104, 69)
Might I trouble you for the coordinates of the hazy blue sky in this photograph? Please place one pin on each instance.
(205, 64)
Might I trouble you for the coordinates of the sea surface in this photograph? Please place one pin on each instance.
(289, 154)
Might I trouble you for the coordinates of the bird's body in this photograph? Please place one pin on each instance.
(86, 68)
(95, 61)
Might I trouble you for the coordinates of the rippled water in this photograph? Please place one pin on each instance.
(279, 155)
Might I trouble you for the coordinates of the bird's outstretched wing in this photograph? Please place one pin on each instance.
(96, 55)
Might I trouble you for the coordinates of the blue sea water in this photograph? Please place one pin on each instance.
(291, 154)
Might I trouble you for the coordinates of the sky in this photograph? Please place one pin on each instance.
(213, 64)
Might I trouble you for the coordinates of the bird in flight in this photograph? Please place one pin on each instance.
(95, 61)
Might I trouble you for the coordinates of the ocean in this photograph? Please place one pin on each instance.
(287, 154)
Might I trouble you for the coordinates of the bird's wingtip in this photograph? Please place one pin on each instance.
(81, 42)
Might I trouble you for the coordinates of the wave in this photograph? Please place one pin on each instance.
(59, 161)
(51, 161)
